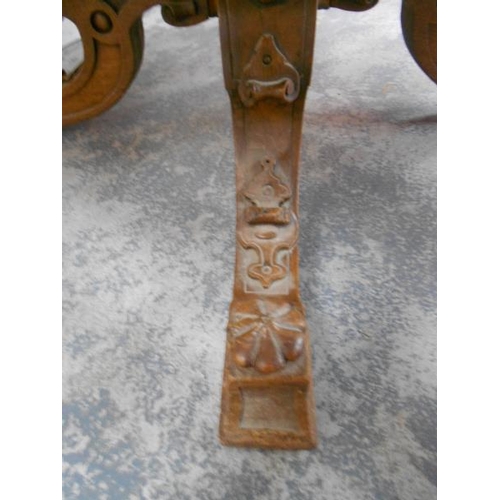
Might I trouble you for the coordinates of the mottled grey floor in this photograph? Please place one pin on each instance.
(148, 239)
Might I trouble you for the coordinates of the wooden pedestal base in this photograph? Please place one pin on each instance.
(268, 413)
(263, 405)
(267, 52)
(267, 398)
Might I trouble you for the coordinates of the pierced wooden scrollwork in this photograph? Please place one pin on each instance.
(113, 44)
(112, 56)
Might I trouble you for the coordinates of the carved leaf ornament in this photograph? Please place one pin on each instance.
(267, 334)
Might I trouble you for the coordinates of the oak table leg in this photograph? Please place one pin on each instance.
(267, 51)
(267, 398)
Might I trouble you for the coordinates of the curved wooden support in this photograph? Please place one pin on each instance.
(267, 398)
(352, 5)
(419, 23)
(267, 52)
(188, 12)
(112, 55)
(113, 44)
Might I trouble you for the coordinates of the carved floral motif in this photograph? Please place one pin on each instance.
(267, 334)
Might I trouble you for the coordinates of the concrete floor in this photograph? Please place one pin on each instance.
(148, 239)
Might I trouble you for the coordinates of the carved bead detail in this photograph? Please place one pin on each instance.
(101, 22)
(267, 334)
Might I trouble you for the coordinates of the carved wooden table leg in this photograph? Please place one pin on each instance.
(267, 398)
(267, 49)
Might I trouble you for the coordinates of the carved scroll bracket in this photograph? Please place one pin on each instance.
(268, 74)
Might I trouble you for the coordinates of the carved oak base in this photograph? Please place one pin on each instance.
(267, 52)
(267, 396)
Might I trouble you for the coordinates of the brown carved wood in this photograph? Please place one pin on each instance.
(267, 52)
(267, 398)
(419, 23)
(113, 44)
